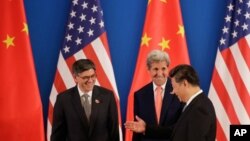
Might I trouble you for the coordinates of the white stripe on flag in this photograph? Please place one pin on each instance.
(248, 40)
(221, 114)
(105, 62)
(53, 95)
(241, 66)
(65, 72)
(49, 130)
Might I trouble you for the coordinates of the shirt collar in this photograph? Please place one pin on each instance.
(81, 93)
(192, 97)
(162, 86)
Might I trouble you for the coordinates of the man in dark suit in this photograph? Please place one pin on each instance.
(146, 101)
(85, 112)
(197, 121)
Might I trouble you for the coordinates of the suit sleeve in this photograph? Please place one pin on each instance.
(136, 136)
(113, 119)
(158, 132)
(59, 125)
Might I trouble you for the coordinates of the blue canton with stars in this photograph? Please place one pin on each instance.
(236, 24)
(85, 24)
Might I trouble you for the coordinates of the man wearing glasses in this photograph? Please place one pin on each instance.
(86, 112)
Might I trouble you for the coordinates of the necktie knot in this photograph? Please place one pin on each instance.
(86, 96)
(159, 89)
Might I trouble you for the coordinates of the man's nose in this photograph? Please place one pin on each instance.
(159, 72)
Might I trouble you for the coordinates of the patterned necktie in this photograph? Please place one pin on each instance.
(86, 104)
(158, 103)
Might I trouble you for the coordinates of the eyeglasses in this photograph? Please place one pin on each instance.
(86, 78)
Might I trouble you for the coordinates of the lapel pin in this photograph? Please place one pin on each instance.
(97, 101)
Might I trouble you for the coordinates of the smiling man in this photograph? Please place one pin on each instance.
(197, 121)
(85, 112)
(154, 102)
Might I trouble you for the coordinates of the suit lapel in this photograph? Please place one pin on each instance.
(151, 101)
(166, 100)
(79, 109)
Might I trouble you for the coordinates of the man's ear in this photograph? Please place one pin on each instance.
(75, 78)
(185, 82)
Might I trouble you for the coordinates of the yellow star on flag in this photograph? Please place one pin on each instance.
(164, 44)
(145, 39)
(25, 28)
(149, 1)
(9, 41)
(181, 30)
(165, 1)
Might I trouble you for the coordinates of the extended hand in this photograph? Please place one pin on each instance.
(138, 126)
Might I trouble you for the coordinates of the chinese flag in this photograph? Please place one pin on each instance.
(21, 116)
(163, 30)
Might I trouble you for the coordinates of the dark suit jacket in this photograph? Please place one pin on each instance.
(197, 123)
(144, 107)
(70, 122)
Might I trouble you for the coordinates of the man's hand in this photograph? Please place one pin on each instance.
(138, 126)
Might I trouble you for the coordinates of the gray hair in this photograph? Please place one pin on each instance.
(157, 56)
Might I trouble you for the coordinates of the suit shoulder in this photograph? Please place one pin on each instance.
(146, 87)
(102, 89)
(205, 99)
(67, 92)
(205, 104)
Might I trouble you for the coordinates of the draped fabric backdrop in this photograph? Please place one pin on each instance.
(124, 22)
(21, 116)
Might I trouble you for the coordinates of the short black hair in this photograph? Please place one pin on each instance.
(184, 72)
(82, 65)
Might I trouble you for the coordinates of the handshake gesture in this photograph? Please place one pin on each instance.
(138, 126)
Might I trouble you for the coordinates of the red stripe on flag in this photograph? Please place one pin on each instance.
(239, 84)
(245, 50)
(70, 61)
(224, 97)
(220, 135)
(50, 113)
(59, 83)
(104, 40)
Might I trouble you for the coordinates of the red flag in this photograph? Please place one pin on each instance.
(163, 30)
(85, 38)
(21, 116)
(230, 85)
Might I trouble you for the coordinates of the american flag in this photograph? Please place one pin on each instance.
(85, 38)
(230, 85)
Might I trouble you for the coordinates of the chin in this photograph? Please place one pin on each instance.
(159, 83)
(90, 88)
